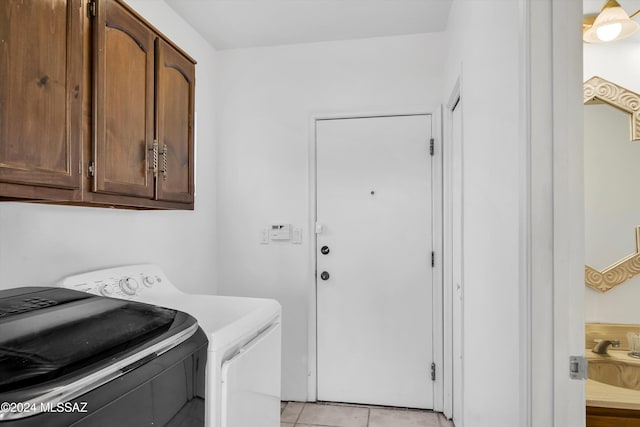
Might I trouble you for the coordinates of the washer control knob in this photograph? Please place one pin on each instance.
(148, 281)
(129, 285)
(105, 290)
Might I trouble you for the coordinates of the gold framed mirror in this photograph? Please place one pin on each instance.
(600, 91)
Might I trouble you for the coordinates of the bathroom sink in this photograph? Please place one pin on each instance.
(616, 368)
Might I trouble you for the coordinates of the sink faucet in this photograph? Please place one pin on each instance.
(602, 345)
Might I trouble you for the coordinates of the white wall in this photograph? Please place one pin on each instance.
(266, 99)
(483, 51)
(40, 244)
(619, 63)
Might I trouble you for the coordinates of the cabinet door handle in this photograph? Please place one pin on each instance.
(154, 149)
(165, 152)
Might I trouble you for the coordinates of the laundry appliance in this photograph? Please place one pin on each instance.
(69, 358)
(243, 368)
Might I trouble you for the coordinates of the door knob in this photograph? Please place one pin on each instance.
(324, 275)
(325, 250)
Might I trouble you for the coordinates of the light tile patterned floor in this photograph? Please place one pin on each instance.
(301, 414)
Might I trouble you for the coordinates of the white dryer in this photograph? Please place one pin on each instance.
(244, 353)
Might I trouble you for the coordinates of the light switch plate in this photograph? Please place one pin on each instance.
(297, 236)
(264, 236)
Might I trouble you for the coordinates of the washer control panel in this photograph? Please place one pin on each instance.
(134, 282)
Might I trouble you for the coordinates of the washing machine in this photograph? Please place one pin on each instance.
(68, 358)
(244, 352)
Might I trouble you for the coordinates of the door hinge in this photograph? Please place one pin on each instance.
(433, 259)
(578, 367)
(92, 169)
(433, 371)
(91, 9)
(432, 147)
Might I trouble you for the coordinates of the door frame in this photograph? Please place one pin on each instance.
(448, 231)
(552, 299)
(437, 300)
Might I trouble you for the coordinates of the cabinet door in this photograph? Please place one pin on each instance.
(40, 99)
(175, 86)
(123, 102)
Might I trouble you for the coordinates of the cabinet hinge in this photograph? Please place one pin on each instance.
(91, 9)
(433, 259)
(431, 146)
(92, 169)
(433, 371)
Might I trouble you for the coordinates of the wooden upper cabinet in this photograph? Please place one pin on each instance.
(175, 89)
(40, 95)
(123, 102)
(96, 107)
(143, 112)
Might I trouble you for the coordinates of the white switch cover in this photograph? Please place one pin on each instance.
(264, 236)
(297, 236)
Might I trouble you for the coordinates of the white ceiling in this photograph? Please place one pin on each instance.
(229, 24)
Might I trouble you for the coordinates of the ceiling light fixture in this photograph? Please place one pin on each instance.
(612, 23)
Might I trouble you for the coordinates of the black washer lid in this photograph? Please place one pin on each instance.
(48, 332)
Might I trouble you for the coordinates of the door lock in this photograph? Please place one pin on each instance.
(325, 250)
(324, 275)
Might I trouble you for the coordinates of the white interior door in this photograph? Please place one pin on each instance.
(374, 304)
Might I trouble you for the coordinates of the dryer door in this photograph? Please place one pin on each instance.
(251, 383)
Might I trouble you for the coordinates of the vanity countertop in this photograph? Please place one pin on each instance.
(608, 396)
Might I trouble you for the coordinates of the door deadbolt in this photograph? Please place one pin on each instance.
(324, 275)
(325, 250)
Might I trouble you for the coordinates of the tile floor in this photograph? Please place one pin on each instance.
(301, 414)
